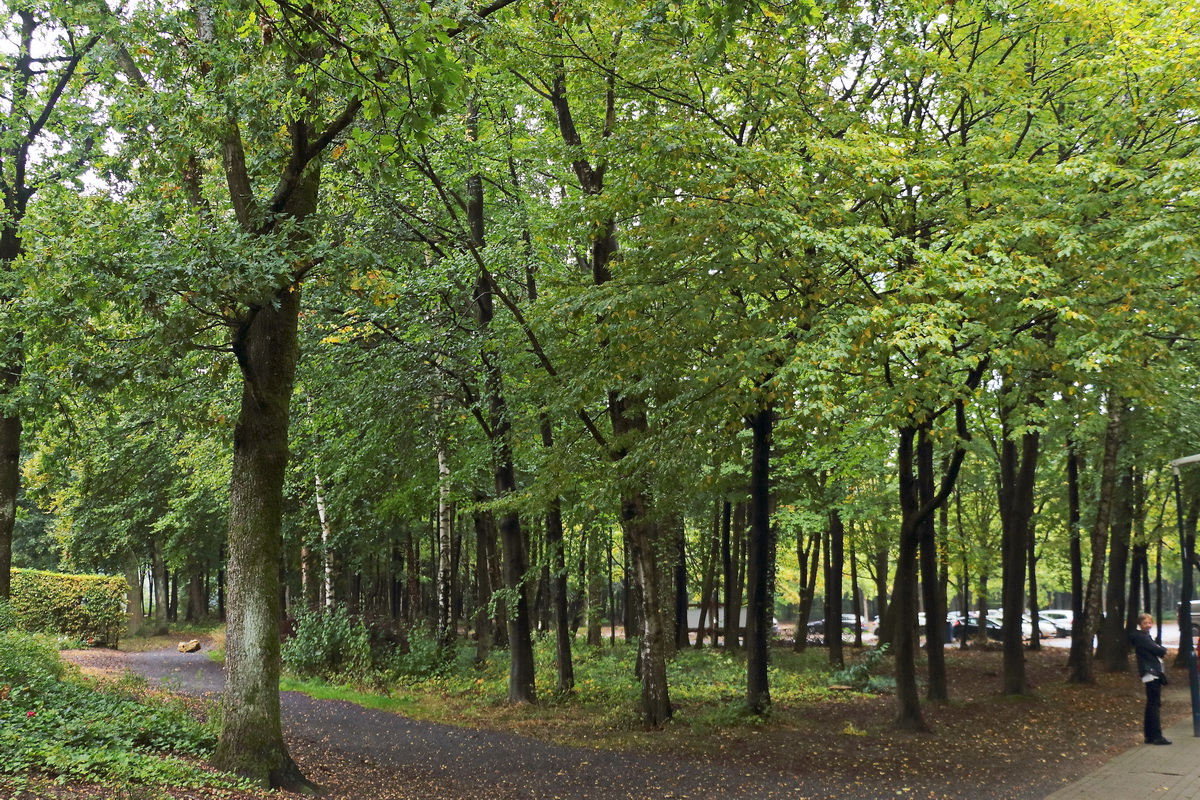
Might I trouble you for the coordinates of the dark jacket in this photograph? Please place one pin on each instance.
(1149, 654)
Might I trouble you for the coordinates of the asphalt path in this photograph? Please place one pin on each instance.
(476, 763)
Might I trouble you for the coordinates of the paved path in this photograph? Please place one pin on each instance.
(453, 762)
(1146, 771)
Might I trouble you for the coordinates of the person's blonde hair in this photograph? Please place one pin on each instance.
(1144, 616)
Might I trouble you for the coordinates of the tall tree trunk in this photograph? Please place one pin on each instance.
(629, 421)
(904, 600)
(197, 610)
(708, 571)
(856, 595)
(1082, 671)
(834, 563)
(1113, 647)
(729, 605)
(251, 741)
(758, 615)
(1080, 650)
(558, 579)
(807, 561)
(443, 630)
(158, 576)
(595, 587)
(10, 468)
(1018, 471)
(133, 591)
(484, 550)
(935, 611)
(680, 584)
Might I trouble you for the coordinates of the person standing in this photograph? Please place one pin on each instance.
(1150, 667)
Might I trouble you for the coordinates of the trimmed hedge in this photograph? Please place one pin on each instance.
(87, 607)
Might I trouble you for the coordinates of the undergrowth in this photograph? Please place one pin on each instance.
(707, 686)
(55, 722)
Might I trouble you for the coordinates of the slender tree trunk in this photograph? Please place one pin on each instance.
(834, 563)
(483, 584)
(558, 579)
(443, 629)
(682, 640)
(710, 554)
(729, 610)
(1080, 650)
(1082, 671)
(10, 468)
(133, 592)
(630, 421)
(595, 588)
(759, 612)
(1113, 648)
(158, 573)
(807, 561)
(856, 594)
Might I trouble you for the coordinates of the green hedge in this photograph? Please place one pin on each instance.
(88, 607)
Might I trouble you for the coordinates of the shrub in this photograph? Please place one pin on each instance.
(8, 620)
(420, 658)
(328, 644)
(859, 675)
(86, 607)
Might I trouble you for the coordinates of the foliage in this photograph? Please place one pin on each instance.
(328, 644)
(52, 721)
(859, 674)
(88, 607)
(8, 620)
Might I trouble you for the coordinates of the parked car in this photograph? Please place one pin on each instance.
(816, 628)
(1063, 620)
(969, 626)
(1195, 608)
(1046, 628)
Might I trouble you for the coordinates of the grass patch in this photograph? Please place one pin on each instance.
(707, 691)
(149, 639)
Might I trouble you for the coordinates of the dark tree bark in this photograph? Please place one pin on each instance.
(34, 87)
(758, 615)
(680, 583)
(558, 580)
(807, 559)
(914, 513)
(1082, 635)
(834, 562)
(485, 549)
(935, 611)
(904, 600)
(1018, 472)
(1078, 652)
(1113, 645)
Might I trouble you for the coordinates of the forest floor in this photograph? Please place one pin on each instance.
(980, 746)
